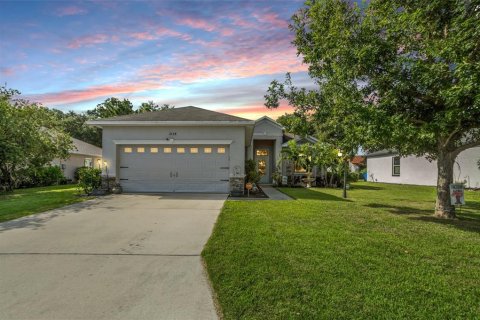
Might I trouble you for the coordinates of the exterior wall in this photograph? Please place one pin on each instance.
(419, 171)
(266, 130)
(236, 134)
(75, 161)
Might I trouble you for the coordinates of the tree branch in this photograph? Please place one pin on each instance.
(467, 146)
(453, 133)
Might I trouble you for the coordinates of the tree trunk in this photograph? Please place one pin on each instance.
(445, 162)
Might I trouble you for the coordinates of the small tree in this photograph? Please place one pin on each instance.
(30, 137)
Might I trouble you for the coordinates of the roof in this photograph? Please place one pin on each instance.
(287, 136)
(358, 160)
(177, 114)
(266, 118)
(81, 147)
(381, 153)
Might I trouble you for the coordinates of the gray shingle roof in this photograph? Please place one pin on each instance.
(177, 114)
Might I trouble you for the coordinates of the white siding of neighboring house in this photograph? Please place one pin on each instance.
(73, 162)
(419, 171)
(234, 133)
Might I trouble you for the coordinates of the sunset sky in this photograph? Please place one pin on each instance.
(218, 55)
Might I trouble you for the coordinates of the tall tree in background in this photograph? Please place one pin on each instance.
(395, 75)
(151, 106)
(112, 107)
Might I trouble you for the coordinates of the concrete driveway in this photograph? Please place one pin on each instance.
(116, 257)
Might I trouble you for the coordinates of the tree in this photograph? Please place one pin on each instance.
(297, 124)
(112, 107)
(394, 75)
(30, 137)
(151, 106)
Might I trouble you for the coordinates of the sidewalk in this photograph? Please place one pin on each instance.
(274, 194)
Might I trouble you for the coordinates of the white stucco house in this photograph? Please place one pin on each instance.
(188, 150)
(387, 166)
(82, 155)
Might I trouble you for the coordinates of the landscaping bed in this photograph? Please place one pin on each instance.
(378, 254)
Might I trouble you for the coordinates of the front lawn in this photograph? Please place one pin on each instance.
(23, 202)
(378, 255)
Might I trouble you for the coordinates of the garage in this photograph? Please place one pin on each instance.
(174, 168)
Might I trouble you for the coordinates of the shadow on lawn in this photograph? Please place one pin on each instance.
(360, 187)
(398, 209)
(38, 220)
(466, 221)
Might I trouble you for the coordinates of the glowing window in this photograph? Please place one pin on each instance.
(127, 150)
(207, 150)
(262, 152)
(180, 150)
(193, 150)
(141, 150)
(220, 150)
(153, 150)
(167, 150)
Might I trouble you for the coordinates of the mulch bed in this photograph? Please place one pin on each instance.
(258, 195)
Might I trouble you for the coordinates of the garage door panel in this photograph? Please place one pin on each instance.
(184, 169)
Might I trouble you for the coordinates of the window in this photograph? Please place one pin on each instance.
(87, 162)
(167, 150)
(207, 150)
(220, 150)
(153, 150)
(193, 150)
(140, 149)
(127, 150)
(262, 152)
(180, 150)
(396, 166)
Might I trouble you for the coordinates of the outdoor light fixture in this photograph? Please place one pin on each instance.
(340, 154)
(99, 162)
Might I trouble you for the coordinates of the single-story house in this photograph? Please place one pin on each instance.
(357, 163)
(388, 166)
(188, 150)
(82, 155)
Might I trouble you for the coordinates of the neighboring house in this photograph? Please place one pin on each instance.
(357, 163)
(188, 150)
(82, 155)
(387, 166)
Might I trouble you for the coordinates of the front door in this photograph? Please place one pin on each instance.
(263, 159)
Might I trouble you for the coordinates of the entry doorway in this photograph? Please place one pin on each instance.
(263, 156)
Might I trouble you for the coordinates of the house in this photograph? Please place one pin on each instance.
(388, 166)
(82, 155)
(357, 163)
(188, 150)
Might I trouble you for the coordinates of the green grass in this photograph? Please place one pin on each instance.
(23, 202)
(378, 255)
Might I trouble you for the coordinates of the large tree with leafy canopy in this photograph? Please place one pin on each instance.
(112, 107)
(30, 137)
(401, 75)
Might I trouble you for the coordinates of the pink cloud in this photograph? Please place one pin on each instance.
(197, 24)
(90, 40)
(272, 19)
(7, 71)
(142, 36)
(70, 11)
(92, 93)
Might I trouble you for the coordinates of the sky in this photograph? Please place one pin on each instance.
(218, 55)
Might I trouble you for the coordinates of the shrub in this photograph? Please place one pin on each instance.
(41, 177)
(89, 179)
(353, 176)
(252, 174)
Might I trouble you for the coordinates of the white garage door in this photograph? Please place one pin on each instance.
(174, 168)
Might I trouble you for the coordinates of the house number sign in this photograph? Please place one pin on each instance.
(172, 133)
